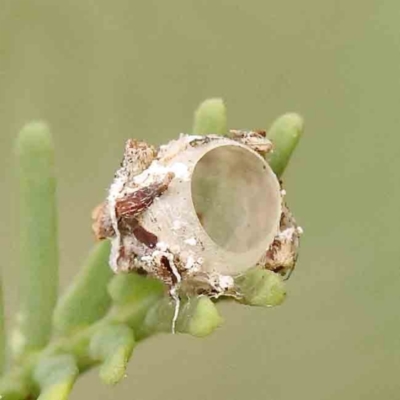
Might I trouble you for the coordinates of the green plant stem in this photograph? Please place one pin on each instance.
(284, 133)
(260, 287)
(38, 239)
(86, 300)
(16, 384)
(133, 296)
(197, 316)
(92, 326)
(55, 376)
(112, 345)
(210, 118)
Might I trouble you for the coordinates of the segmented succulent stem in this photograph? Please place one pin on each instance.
(38, 238)
(284, 134)
(101, 318)
(210, 117)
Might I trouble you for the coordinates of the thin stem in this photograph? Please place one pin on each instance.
(137, 307)
(113, 346)
(210, 117)
(284, 134)
(55, 376)
(86, 299)
(38, 238)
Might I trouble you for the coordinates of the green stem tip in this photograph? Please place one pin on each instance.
(55, 376)
(113, 346)
(198, 317)
(210, 118)
(261, 287)
(38, 238)
(284, 134)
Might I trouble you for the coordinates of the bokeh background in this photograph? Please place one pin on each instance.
(101, 71)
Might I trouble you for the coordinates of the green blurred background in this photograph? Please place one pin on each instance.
(102, 71)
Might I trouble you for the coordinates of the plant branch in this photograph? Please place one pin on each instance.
(210, 117)
(38, 238)
(101, 317)
(86, 300)
(284, 134)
